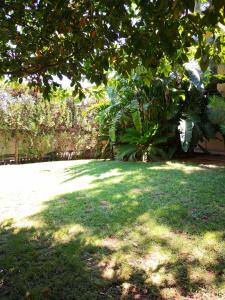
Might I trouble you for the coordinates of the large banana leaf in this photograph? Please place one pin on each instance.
(193, 72)
(185, 129)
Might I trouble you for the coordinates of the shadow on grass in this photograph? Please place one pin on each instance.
(138, 231)
(33, 267)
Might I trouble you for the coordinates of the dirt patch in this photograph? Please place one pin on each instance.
(104, 204)
(111, 243)
(136, 191)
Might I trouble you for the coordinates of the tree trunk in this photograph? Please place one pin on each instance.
(16, 149)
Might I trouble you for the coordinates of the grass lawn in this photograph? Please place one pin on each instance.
(111, 230)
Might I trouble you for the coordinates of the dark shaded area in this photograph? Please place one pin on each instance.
(34, 266)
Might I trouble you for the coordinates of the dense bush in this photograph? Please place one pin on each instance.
(36, 127)
(155, 116)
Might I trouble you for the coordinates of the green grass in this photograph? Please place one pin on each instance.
(112, 230)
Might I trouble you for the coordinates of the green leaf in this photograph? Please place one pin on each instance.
(185, 128)
(112, 134)
(137, 121)
(126, 152)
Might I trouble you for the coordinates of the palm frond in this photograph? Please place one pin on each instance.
(126, 151)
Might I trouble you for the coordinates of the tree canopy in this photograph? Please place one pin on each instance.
(85, 38)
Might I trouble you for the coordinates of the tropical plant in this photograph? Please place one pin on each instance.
(141, 116)
(157, 115)
(194, 123)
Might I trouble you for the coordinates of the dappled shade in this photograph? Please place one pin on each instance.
(127, 230)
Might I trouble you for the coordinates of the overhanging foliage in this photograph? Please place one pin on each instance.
(86, 38)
